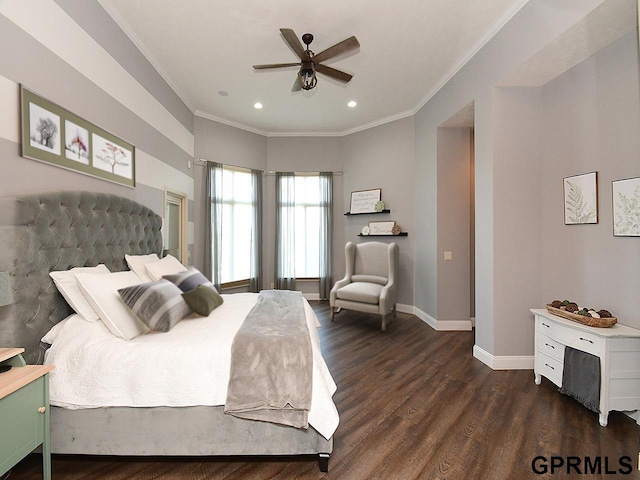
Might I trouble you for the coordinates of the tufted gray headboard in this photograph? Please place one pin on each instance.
(40, 233)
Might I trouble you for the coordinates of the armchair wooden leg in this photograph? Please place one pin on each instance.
(384, 323)
(332, 314)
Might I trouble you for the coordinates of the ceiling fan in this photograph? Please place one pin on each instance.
(310, 63)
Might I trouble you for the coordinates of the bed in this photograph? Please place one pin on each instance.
(57, 231)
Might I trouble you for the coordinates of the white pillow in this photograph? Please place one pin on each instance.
(101, 291)
(137, 262)
(52, 334)
(169, 265)
(66, 283)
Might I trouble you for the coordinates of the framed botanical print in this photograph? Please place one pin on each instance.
(626, 207)
(581, 199)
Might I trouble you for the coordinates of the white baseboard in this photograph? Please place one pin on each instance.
(442, 325)
(404, 308)
(514, 362)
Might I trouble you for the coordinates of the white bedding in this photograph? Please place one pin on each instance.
(187, 366)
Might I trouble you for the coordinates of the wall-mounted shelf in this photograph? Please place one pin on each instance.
(401, 234)
(367, 213)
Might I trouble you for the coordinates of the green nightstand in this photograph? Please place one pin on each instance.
(24, 411)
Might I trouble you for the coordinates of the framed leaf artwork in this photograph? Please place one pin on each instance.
(626, 207)
(581, 199)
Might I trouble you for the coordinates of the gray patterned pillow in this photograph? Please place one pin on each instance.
(158, 304)
(189, 279)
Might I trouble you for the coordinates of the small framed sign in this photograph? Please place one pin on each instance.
(381, 228)
(364, 201)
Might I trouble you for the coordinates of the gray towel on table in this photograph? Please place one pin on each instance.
(581, 378)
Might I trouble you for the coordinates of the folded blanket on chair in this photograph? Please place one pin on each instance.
(581, 378)
(272, 362)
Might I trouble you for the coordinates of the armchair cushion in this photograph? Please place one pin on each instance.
(362, 292)
(370, 279)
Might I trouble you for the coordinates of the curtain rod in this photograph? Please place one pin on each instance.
(272, 172)
(203, 161)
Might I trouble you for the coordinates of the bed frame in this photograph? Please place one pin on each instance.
(40, 233)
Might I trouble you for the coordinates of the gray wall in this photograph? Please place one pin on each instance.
(380, 157)
(384, 157)
(220, 143)
(44, 69)
(591, 120)
(526, 140)
(454, 210)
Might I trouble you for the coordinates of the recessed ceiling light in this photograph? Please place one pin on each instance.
(257, 105)
(352, 104)
(222, 93)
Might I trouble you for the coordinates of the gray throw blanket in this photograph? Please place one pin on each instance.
(272, 362)
(581, 378)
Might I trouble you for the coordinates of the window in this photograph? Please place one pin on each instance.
(307, 226)
(237, 221)
(303, 226)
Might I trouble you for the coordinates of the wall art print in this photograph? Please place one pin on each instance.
(57, 136)
(581, 199)
(626, 207)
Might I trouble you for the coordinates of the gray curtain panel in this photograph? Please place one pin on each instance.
(285, 230)
(326, 234)
(255, 282)
(213, 232)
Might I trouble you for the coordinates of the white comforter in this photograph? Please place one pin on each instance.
(184, 367)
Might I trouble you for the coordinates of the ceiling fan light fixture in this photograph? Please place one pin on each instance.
(307, 76)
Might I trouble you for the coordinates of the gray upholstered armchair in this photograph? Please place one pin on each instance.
(370, 281)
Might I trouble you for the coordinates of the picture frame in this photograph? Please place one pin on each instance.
(54, 135)
(626, 207)
(382, 227)
(364, 201)
(581, 199)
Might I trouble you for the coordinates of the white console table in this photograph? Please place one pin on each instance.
(618, 348)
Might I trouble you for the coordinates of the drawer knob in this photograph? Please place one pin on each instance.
(586, 340)
(549, 366)
(42, 409)
(545, 325)
(549, 345)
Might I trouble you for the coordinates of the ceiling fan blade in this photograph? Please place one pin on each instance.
(350, 43)
(296, 86)
(292, 39)
(276, 65)
(333, 73)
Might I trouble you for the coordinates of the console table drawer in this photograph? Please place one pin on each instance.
(578, 339)
(551, 348)
(550, 368)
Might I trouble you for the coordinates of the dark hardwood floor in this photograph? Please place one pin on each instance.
(414, 404)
